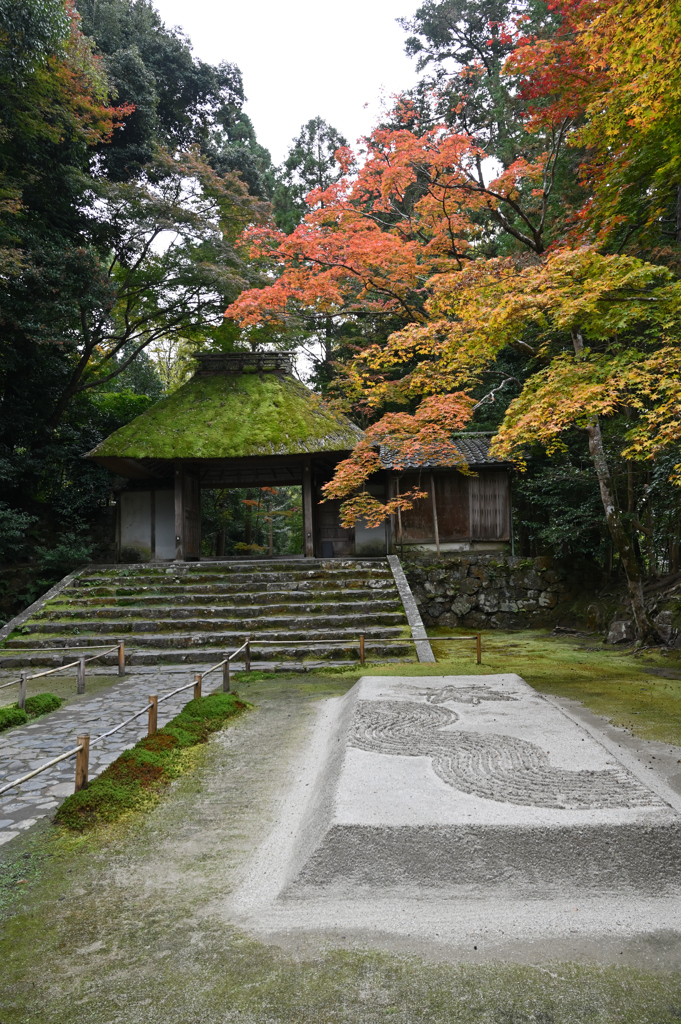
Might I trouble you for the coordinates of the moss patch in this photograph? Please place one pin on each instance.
(134, 779)
(40, 704)
(612, 682)
(224, 416)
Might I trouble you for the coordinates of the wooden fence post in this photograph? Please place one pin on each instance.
(121, 657)
(198, 679)
(80, 676)
(479, 649)
(82, 759)
(361, 650)
(21, 699)
(247, 657)
(226, 682)
(153, 714)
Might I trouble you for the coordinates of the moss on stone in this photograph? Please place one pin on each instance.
(232, 416)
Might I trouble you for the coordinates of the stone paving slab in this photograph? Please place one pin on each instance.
(27, 747)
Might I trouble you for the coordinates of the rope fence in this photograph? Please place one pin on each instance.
(79, 664)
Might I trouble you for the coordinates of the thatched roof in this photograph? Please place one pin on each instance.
(232, 408)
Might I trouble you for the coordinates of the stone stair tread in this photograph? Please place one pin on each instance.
(174, 609)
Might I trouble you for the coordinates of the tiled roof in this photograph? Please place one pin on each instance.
(473, 447)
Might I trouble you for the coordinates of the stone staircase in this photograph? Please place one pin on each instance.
(194, 612)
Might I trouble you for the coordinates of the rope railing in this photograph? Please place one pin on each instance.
(379, 640)
(80, 664)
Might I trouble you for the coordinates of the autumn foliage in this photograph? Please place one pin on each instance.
(467, 260)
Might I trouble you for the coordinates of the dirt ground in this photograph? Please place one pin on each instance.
(129, 925)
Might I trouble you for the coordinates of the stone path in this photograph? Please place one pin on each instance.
(28, 746)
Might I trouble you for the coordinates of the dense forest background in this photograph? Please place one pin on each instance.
(133, 186)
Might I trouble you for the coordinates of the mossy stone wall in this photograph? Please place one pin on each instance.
(489, 591)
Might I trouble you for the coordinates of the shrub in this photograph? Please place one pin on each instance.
(42, 704)
(135, 778)
(71, 551)
(12, 715)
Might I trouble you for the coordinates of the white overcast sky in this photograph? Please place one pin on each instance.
(301, 58)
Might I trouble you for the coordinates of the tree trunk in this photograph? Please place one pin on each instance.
(621, 538)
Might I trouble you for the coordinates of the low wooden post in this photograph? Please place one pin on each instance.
(153, 714)
(121, 655)
(479, 648)
(82, 760)
(361, 650)
(226, 681)
(21, 699)
(198, 679)
(247, 655)
(80, 676)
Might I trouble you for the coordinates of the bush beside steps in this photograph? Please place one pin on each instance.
(36, 706)
(134, 779)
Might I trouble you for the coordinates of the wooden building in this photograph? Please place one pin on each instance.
(243, 420)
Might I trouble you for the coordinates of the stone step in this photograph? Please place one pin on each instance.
(227, 565)
(228, 591)
(248, 625)
(212, 612)
(285, 575)
(193, 612)
(227, 640)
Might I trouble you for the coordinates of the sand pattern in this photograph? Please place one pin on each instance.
(494, 766)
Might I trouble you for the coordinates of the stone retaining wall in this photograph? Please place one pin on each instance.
(488, 591)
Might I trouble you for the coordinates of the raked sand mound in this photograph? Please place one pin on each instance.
(421, 793)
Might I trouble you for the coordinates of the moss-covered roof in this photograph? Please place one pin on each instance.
(231, 416)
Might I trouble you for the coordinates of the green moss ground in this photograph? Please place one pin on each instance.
(124, 925)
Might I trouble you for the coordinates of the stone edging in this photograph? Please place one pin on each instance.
(418, 631)
(21, 618)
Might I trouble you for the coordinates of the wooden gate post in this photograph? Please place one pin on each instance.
(361, 650)
(179, 512)
(153, 714)
(308, 520)
(479, 649)
(21, 699)
(198, 679)
(226, 682)
(82, 759)
(80, 676)
(121, 657)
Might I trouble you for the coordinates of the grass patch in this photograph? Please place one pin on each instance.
(134, 779)
(40, 704)
(616, 683)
